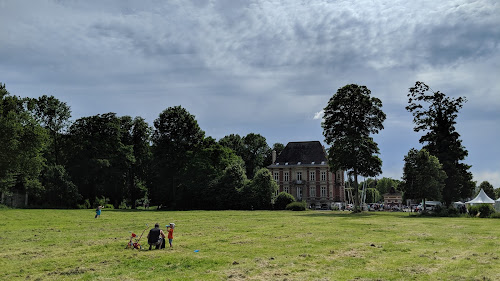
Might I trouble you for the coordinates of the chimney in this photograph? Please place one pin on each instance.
(274, 156)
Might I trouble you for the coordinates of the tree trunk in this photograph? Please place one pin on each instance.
(356, 193)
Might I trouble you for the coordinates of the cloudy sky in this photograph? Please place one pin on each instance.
(262, 66)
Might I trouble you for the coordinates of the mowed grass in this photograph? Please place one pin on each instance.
(248, 245)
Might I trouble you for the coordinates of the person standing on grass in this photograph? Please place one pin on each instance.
(170, 229)
(98, 211)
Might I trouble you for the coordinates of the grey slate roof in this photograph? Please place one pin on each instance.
(304, 152)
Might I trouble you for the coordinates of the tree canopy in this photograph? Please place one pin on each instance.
(435, 114)
(423, 176)
(351, 115)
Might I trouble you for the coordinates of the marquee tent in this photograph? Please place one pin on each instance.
(497, 205)
(481, 198)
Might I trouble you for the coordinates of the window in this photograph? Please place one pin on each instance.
(312, 176)
(323, 191)
(276, 176)
(287, 189)
(299, 193)
(299, 176)
(312, 192)
(323, 176)
(287, 178)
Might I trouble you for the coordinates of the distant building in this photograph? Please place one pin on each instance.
(302, 170)
(393, 198)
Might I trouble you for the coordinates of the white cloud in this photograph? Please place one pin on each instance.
(492, 177)
(319, 115)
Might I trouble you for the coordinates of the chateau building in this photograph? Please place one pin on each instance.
(302, 170)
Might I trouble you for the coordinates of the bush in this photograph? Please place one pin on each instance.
(109, 206)
(483, 210)
(296, 206)
(123, 205)
(495, 215)
(85, 205)
(282, 200)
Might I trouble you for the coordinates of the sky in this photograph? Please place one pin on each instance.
(266, 67)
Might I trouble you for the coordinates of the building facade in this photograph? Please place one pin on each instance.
(302, 170)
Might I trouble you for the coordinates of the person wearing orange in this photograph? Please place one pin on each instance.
(170, 230)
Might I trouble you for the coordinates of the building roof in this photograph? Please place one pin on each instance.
(481, 198)
(304, 153)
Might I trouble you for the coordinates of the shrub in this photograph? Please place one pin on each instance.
(109, 206)
(85, 205)
(484, 210)
(123, 205)
(495, 215)
(296, 206)
(282, 200)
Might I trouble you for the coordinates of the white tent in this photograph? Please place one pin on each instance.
(481, 198)
(497, 205)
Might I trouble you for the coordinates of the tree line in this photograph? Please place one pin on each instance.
(123, 161)
(435, 172)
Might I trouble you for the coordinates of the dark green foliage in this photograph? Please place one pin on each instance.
(488, 189)
(259, 192)
(350, 117)
(296, 206)
(282, 200)
(22, 141)
(176, 134)
(254, 153)
(495, 215)
(484, 210)
(435, 114)
(59, 191)
(423, 176)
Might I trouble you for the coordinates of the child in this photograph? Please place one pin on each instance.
(98, 212)
(170, 229)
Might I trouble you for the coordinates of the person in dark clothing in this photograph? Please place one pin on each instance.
(155, 237)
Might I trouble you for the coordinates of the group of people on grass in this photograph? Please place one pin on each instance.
(156, 236)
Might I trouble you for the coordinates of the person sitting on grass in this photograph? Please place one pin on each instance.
(155, 237)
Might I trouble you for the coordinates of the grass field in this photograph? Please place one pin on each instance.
(248, 245)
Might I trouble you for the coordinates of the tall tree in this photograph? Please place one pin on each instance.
(254, 153)
(100, 161)
(350, 117)
(176, 133)
(54, 116)
(436, 114)
(423, 176)
(22, 141)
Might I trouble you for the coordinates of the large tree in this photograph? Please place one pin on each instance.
(22, 141)
(254, 153)
(423, 176)
(351, 115)
(100, 159)
(176, 133)
(435, 114)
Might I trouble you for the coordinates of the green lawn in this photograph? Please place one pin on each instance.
(248, 245)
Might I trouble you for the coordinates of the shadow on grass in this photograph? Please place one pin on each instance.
(337, 214)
